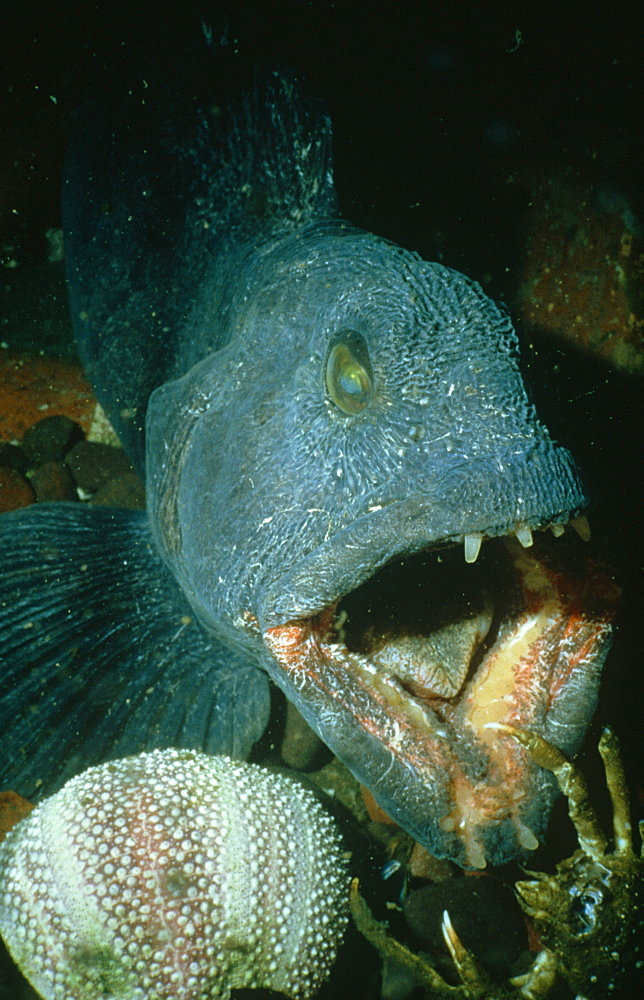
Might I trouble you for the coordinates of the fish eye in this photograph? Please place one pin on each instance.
(348, 374)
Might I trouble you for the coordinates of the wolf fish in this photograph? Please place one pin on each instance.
(343, 474)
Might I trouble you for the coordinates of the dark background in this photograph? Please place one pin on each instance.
(443, 115)
(433, 106)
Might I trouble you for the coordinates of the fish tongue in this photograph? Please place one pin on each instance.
(435, 664)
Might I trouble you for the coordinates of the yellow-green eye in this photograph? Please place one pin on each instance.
(349, 378)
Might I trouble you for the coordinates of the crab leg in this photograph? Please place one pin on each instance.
(377, 934)
(571, 781)
(616, 782)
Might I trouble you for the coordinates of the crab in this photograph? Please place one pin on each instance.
(588, 914)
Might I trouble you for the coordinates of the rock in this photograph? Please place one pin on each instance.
(93, 464)
(51, 438)
(301, 747)
(33, 386)
(484, 914)
(13, 456)
(125, 490)
(54, 481)
(15, 490)
(583, 276)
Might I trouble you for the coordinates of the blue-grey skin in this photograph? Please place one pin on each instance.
(209, 274)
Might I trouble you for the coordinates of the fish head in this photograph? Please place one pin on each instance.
(350, 489)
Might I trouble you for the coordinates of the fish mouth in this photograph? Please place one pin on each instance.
(407, 675)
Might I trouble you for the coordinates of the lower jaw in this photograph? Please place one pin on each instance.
(440, 767)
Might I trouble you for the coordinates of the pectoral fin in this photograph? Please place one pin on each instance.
(100, 654)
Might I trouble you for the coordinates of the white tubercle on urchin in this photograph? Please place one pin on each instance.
(174, 876)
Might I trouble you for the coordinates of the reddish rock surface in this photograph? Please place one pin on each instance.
(583, 278)
(53, 458)
(13, 808)
(34, 387)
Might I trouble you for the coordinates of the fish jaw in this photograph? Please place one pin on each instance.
(438, 765)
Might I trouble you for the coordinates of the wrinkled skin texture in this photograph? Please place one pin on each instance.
(210, 282)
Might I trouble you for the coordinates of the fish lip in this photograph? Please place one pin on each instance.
(446, 782)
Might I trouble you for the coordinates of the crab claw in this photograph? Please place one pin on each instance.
(571, 782)
(470, 972)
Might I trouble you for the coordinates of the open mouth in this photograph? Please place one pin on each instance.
(407, 676)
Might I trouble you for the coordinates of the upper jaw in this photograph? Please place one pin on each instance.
(398, 528)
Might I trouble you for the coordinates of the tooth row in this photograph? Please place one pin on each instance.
(474, 539)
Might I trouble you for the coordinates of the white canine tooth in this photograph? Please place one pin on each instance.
(557, 529)
(473, 546)
(524, 535)
(582, 527)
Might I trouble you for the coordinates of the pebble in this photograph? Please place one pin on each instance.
(54, 481)
(13, 456)
(94, 464)
(55, 463)
(301, 748)
(51, 438)
(15, 490)
(484, 914)
(124, 490)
